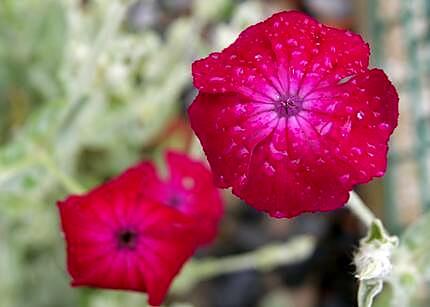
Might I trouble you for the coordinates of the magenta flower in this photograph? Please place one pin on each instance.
(188, 186)
(120, 238)
(291, 117)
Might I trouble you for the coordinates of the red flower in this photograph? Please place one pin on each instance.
(188, 186)
(290, 116)
(118, 237)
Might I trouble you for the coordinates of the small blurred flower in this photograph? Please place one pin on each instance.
(291, 117)
(135, 232)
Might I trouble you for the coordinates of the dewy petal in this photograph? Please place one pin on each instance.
(230, 126)
(289, 52)
(304, 159)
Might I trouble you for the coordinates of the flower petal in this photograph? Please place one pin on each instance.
(290, 117)
(289, 52)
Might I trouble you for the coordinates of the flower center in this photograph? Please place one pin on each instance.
(289, 105)
(175, 198)
(174, 201)
(127, 239)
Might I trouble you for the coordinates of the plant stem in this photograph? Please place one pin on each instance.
(68, 182)
(263, 259)
(360, 210)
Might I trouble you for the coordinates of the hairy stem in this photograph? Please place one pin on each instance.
(360, 210)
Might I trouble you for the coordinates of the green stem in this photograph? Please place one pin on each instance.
(263, 259)
(68, 182)
(360, 210)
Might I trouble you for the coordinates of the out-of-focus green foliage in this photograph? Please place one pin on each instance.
(82, 97)
(31, 45)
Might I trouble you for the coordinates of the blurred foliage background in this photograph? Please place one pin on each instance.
(88, 87)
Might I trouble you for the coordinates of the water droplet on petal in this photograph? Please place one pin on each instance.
(316, 66)
(243, 153)
(384, 126)
(239, 71)
(320, 161)
(216, 79)
(371, 146)
(328, 62)
(269, 169)
(356, 151)
(278, 214)
(258, 57)
(243, 180)
(344, 179)
(296, 161)
(360, 115)
(376, 114)
(292, 42)
(304, 62)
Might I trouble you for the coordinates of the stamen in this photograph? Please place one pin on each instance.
(289, 106)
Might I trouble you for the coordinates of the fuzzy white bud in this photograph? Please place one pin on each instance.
(373, 262)
(373, 259)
